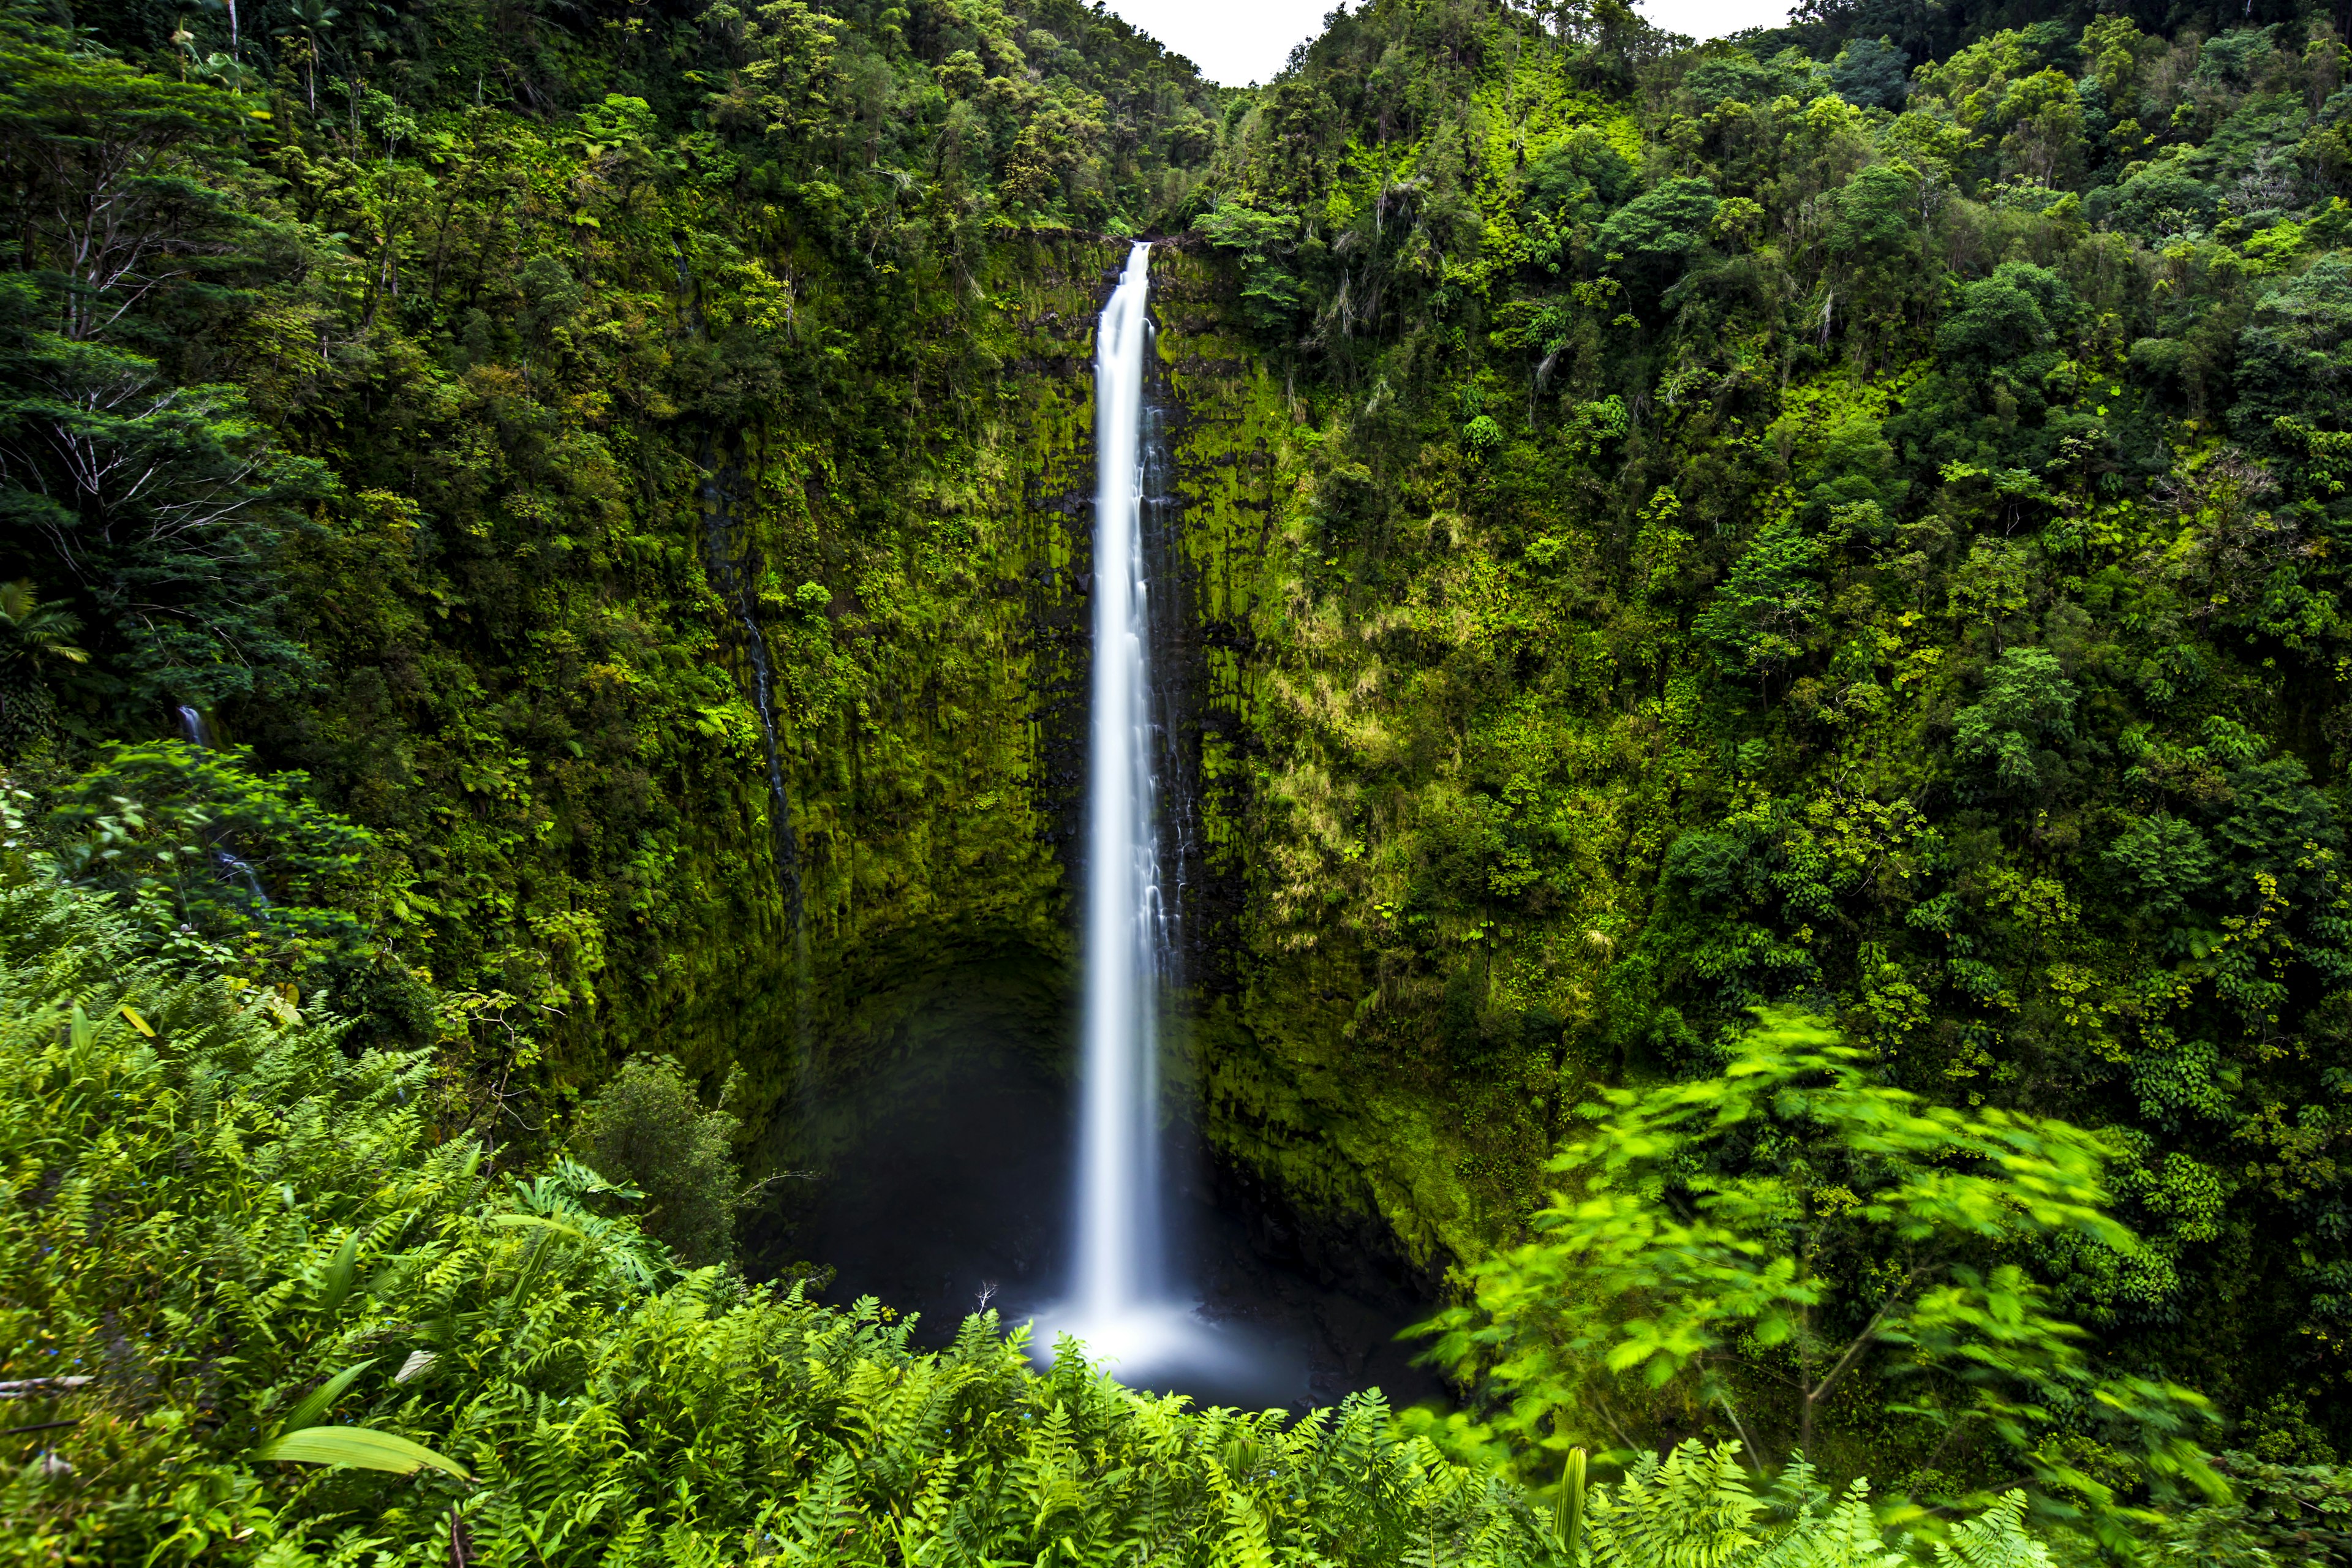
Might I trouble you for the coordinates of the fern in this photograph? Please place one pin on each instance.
(1994, 1538)
(293, 1229)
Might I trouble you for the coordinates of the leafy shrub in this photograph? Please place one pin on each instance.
(224, 868)
(1263, 241)
(648, 1130)
(2027, 709)
(190, 839)
(2283, 1513)
(33, 635)
(2164, 861)
(1693, 1243)
(1759, 619)
(1656, 234)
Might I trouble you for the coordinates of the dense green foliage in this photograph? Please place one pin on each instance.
(521, 465)
(1708, 1230)
(647, 1130)
(546, 530)
(223, 1229)
(1755, 543)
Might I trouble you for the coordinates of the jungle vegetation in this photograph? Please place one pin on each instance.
(1775, 532)
(297, 1327)
(508, 509)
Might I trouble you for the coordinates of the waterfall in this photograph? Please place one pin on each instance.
(1125, 1303)
(233, 867)
(721, 492)
(1120, 1272)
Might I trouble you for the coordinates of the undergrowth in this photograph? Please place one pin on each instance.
(221, 1226)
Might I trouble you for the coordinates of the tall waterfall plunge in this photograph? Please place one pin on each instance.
(1118, 1252)
(1124, 1303)
(1119, 1270)
(975, 1183)
(1144, 1295)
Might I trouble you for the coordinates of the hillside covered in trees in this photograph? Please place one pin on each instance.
(1773, 531)
(1766, 745)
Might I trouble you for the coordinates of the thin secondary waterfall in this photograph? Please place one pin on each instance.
(1120, 1241)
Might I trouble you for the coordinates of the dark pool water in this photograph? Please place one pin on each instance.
(955, 1189)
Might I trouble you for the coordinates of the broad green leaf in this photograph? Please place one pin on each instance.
(337, 1285)
(362, 1447)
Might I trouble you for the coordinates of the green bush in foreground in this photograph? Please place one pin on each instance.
(647, 1129)
(1701, 1246)
(248, 1243)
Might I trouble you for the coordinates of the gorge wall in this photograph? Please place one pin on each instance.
(938, 830)
(1847, 522)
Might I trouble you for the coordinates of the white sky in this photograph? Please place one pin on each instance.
(1237, 42)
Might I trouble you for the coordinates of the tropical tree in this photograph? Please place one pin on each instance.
(2027, 708)
(1759, 619)
(164, 504)
(109, 177)
(1655, 235)
(310, 19)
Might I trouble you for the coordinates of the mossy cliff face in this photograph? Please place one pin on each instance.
(559, 689)
(936, 813)
(1323, 1085)
(930, 727)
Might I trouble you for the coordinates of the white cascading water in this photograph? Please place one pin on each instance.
(1123, 1304)
(1118, 1232)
